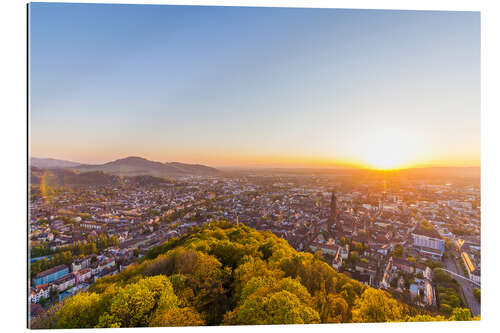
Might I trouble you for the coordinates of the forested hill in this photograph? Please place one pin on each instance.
(226, 274)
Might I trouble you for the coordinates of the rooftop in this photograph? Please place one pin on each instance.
(50, 271)
(426, 229)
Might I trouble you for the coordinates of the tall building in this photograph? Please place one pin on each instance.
(332, 220)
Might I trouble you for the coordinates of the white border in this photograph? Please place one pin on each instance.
(13, 160)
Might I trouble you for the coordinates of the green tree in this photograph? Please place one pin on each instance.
(398, 251)
(477, 294)
(461, 314)
(278, 308)
(134, 305)
(81, 310)
(177, 317)
(376, 305)
(332, 308)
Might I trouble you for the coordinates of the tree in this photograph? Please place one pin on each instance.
(332, 308)
(134, 305)
(445, 308)
(177, 317)
(418, 318)
(398, 251)
(353, 257)
(376, 305)
(477, 294)
(449, 245)
(54, 295)
(81, 310)
(460, 314)
(47, 319)
(348, 293)
(278, 308)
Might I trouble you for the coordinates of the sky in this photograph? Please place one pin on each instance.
(243, 86)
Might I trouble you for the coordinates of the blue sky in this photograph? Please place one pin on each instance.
(254, 86)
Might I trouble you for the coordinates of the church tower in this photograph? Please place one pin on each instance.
(332, 219)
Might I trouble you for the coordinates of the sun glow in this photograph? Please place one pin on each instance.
(389, 161)
(389, 149)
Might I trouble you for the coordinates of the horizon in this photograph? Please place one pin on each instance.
(305, 88)
(260, 167)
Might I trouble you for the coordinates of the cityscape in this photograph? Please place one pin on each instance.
(215, 165)
(417, 238)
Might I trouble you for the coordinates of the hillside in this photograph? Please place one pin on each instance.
(68, 178)
(226, 274)
(131, 166)
(51, 163)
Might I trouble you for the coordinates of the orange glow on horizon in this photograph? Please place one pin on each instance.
(394, 156)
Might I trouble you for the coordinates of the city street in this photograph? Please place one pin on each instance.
(467, 286)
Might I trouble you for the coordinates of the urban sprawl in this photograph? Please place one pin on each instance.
(417, 239)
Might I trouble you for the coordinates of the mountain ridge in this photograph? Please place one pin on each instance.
(130, 166)
(51, 163)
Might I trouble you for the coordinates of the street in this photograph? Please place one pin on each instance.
(467, 286)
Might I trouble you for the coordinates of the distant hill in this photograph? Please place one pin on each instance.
(51, 163)
(67, 178)
(132, 166)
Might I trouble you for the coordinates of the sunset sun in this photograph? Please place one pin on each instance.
(387, 150)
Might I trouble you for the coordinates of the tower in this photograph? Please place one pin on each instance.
(332, 219)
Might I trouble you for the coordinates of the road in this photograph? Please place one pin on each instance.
(467, 287)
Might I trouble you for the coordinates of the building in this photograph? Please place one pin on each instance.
(427, 241)
(337, 260)
(36, 294)
(50, 275)
(403, 265)
(474, 273)
(429, 293)
(79, 264)
(428, 246)
(83, 275)
(91, 226)
(330, 249)
(428, 273)
(65, 282)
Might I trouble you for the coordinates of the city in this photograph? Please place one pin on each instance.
(417, 239)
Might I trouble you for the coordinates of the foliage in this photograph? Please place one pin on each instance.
(377, 306)
(226, 274)
(177, 317)
(61, 258)
(477, 294)
(134, 305)
(280, 307)
(398, 251)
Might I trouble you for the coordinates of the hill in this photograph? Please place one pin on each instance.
(68, 178)
(131, 166)
(226, 274)
(51, 163)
